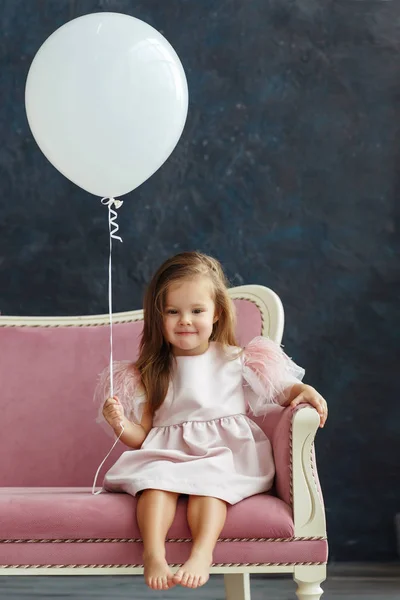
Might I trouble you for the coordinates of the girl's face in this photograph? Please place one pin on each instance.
(189, 315)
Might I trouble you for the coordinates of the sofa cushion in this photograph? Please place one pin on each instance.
(74, 513)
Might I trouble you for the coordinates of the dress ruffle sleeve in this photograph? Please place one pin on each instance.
(269, 372)
(127, 387)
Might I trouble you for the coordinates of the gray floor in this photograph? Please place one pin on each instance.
(346, 587)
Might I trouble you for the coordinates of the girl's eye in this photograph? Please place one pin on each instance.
(197, 311)
(171, 311)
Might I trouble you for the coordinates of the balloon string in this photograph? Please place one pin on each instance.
(96, 493)
(113, 228)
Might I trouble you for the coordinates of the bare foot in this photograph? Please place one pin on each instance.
(195, 572)
(157, 573)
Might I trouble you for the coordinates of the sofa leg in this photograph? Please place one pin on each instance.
(237, 586)
(308, 579)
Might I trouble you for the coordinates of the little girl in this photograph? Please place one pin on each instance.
(184, 410)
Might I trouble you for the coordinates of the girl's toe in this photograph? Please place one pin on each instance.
(178, 576)
(150, 582)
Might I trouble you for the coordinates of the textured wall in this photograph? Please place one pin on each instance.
(287, 172)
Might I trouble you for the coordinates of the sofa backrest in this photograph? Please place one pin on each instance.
(48, 372)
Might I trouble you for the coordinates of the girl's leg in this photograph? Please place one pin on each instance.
(155, 514)
(206, 518)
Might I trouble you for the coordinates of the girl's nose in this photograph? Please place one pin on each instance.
(185, 319)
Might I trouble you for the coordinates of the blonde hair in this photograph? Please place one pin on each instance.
(155, 360)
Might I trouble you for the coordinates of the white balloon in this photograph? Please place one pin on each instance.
(106, 100)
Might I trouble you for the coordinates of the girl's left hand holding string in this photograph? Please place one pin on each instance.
(310, 396)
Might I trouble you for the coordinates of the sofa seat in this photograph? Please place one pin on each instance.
(70, 526)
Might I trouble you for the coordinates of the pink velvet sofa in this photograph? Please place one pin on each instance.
(50, 448)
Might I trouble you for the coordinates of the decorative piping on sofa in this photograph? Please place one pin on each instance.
(78, 325)
(139, 540)
(127, 566)
(291, 461)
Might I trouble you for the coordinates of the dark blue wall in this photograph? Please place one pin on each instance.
(288, 172)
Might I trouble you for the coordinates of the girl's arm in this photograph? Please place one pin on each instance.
(135, 434)
(292, 392)
(301, 392)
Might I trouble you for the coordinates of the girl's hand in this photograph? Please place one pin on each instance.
(113, 413)
(312, 397)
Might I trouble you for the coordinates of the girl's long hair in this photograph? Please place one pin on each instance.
(155, 360)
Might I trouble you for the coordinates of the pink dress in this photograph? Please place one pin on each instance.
(203, 442)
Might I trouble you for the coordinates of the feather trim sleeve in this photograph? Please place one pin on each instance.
(269, 372)
(127, 387)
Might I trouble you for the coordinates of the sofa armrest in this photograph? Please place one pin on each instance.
(308, 506)
(296, 478)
